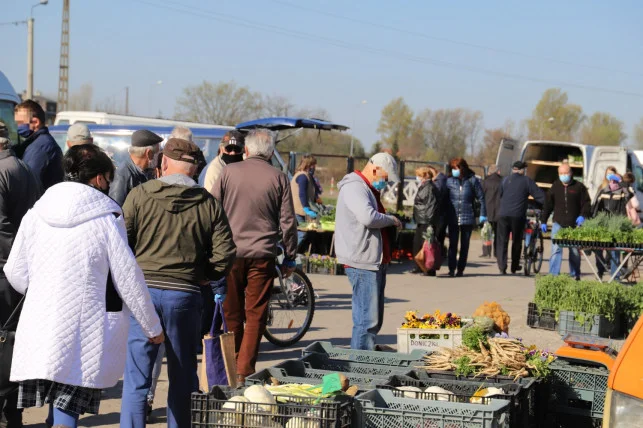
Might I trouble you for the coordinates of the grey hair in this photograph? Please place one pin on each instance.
(492, 169)
(182, 132)
(4, 143)
(139, 152)
(260, 142)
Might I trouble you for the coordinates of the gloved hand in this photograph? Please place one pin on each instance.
(483, 219)
(220, 298)
(580, 220)
(310, 213)
(543, 227)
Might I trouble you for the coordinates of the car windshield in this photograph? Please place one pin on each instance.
(6, 116)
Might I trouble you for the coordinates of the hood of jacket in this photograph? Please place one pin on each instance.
(351, 178)
(175, 193)
(69, 204)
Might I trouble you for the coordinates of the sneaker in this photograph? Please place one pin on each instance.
(451, 273)
(503, 271)
(460, 274)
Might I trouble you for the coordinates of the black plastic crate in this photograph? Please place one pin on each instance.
(577, 389)
(322, 362)
(525, 382)
(382, 358)
(208, 411)
(588, 324)
(463, 390)
(541, 318)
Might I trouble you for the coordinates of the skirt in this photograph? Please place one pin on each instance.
(77, 399)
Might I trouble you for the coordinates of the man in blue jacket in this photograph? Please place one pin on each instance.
(38, 148)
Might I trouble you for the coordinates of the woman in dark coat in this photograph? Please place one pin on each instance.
(464, 189)
(425, 208)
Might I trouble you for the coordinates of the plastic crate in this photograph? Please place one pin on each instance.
(295, 371)
(577, 389)
(322, 362)
(463, 390)
(395, 359)
(409, 339)
(335, 269)
(592, 325)
(382, 409)
(207, 411)
(525, 382)
(541, 318)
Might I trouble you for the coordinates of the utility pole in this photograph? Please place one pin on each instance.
(126, 100)
(63, 77)
(30, 58)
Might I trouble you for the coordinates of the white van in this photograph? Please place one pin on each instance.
(8, 100)
(102, 118)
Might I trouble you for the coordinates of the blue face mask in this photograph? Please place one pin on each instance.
(379, 185)
(455, 173)
(565, 178)
(311, 171)
(24, 131)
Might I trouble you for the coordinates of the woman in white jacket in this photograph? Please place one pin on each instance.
(81, 280)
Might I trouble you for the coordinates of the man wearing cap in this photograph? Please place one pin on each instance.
(19, 190)
(363, 243)
(78, 134)
(142, 157)
(230, 151)
(515, 191)
(258, 201)
(182, 241)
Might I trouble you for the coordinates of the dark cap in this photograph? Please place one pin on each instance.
(519, 165)
(182, 150)
(234, 138)
(4, 131)
(145, 138)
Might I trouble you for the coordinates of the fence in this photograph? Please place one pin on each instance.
(330, 169)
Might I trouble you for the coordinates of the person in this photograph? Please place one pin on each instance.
(38, 148)
(363, 243)
(81, 281)
(79, 134)
(633, 204)
(176, 265)
(464, 188)
(304, 193)
(514, 193)
(258, 198)
(569, 201)
(19, 190)
(491, 189)
(230, 151)
(142, 157)
(425, 208)
(612, 200)
(182, 133)
(440, 181)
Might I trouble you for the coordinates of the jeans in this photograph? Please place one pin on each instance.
(63, 418)
(156, 372)
(463, 233)
(516, 227)
(301, 236)
(180, 314)
(556, 259)
(614, 262)
(368, 305)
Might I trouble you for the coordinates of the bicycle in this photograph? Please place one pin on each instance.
(534, 243)
(292, 299)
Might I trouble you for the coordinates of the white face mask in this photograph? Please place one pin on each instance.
(418, 179)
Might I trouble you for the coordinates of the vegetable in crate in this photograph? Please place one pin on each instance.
(432, 321)
(494, 311)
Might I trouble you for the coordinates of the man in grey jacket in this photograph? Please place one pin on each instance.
(19, 190)
(363, 243)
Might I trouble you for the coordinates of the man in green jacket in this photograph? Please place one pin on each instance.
(182, 242)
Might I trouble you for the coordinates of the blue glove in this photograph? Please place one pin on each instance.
(310, 213)
(543, 227)
(580, 220)
(483, 219)
(220, 298)
(289, 263)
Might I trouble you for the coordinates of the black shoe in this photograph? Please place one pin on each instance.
(451, 273)
(430, 273)
(513, 271)
(460, 274)
(503, 271)
(148, 413)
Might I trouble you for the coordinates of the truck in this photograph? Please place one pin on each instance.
(8, 101)
(102, 118)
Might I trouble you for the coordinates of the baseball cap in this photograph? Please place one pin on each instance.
(182, 150)
(388, 164)
(519, 165)
(78, 133)
(234, 138)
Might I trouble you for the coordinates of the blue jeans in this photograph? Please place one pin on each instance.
(614, 262)
(63, 418)
(156, 372)
(300, 235)
(180, 314)
(462, 233)
(556, 259)
(368, 305)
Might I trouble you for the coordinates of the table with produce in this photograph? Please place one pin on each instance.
(606, 234)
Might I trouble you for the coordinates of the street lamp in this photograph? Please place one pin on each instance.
(353, 128)
(550, 120)
(30, 49)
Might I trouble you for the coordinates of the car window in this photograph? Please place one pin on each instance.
(638, 175)
(114, 145)
(6, 116)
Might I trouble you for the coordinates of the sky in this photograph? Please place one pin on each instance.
(494, 56)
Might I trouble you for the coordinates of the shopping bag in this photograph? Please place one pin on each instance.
(419, 260)
(432, 255)
(218, 366)
(7, 340)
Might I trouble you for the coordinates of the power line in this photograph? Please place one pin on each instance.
(234, 20)
(16, 23)
(451, 41)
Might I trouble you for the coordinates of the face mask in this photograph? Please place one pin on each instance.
(564, 178)
(379, 185)
(455, 173)
(418, 179)
(228, 159)
(24, 131)
(311, 171)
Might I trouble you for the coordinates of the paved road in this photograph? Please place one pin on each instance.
(404, 292)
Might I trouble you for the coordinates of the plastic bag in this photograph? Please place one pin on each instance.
(432, 255)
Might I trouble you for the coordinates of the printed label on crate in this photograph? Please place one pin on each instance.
(409, 339)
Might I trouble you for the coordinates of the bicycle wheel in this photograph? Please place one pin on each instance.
(528, 258)
(290, 310)
(540, 251)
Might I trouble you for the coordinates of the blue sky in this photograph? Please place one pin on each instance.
(335, 59)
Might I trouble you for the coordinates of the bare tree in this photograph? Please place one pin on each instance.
(276, 105)
(81, 100)
(602, 129)
(109, 105)
(638, 135)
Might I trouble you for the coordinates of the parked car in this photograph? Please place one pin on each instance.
(8, 100)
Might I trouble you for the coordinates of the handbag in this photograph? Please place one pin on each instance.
(218, 366)
(7, 340)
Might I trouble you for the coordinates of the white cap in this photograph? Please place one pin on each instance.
(79, 133)
(388, 164)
